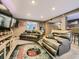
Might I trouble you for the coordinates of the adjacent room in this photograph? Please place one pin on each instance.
(39, 29)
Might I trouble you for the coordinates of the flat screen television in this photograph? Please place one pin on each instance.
(5, 21)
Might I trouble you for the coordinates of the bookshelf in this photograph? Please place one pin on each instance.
(7, 45)
(7, 34)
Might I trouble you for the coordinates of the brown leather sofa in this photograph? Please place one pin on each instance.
(57, 45)
(31, 36)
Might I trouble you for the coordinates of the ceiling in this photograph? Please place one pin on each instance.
(40, 10)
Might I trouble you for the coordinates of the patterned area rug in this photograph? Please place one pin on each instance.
(21, 52)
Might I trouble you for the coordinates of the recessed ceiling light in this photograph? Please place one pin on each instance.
(33, 1)
(28, 14)
(53, 8)
(42, 17)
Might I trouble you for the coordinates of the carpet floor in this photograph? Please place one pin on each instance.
(19, 53)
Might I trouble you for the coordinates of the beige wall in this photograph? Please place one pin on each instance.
(40, 24)
(22, 23)
(63, 22)
(20, 29)
(49, 26)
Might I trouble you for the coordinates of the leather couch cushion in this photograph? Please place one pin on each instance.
(50, 49)
(53, 43)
